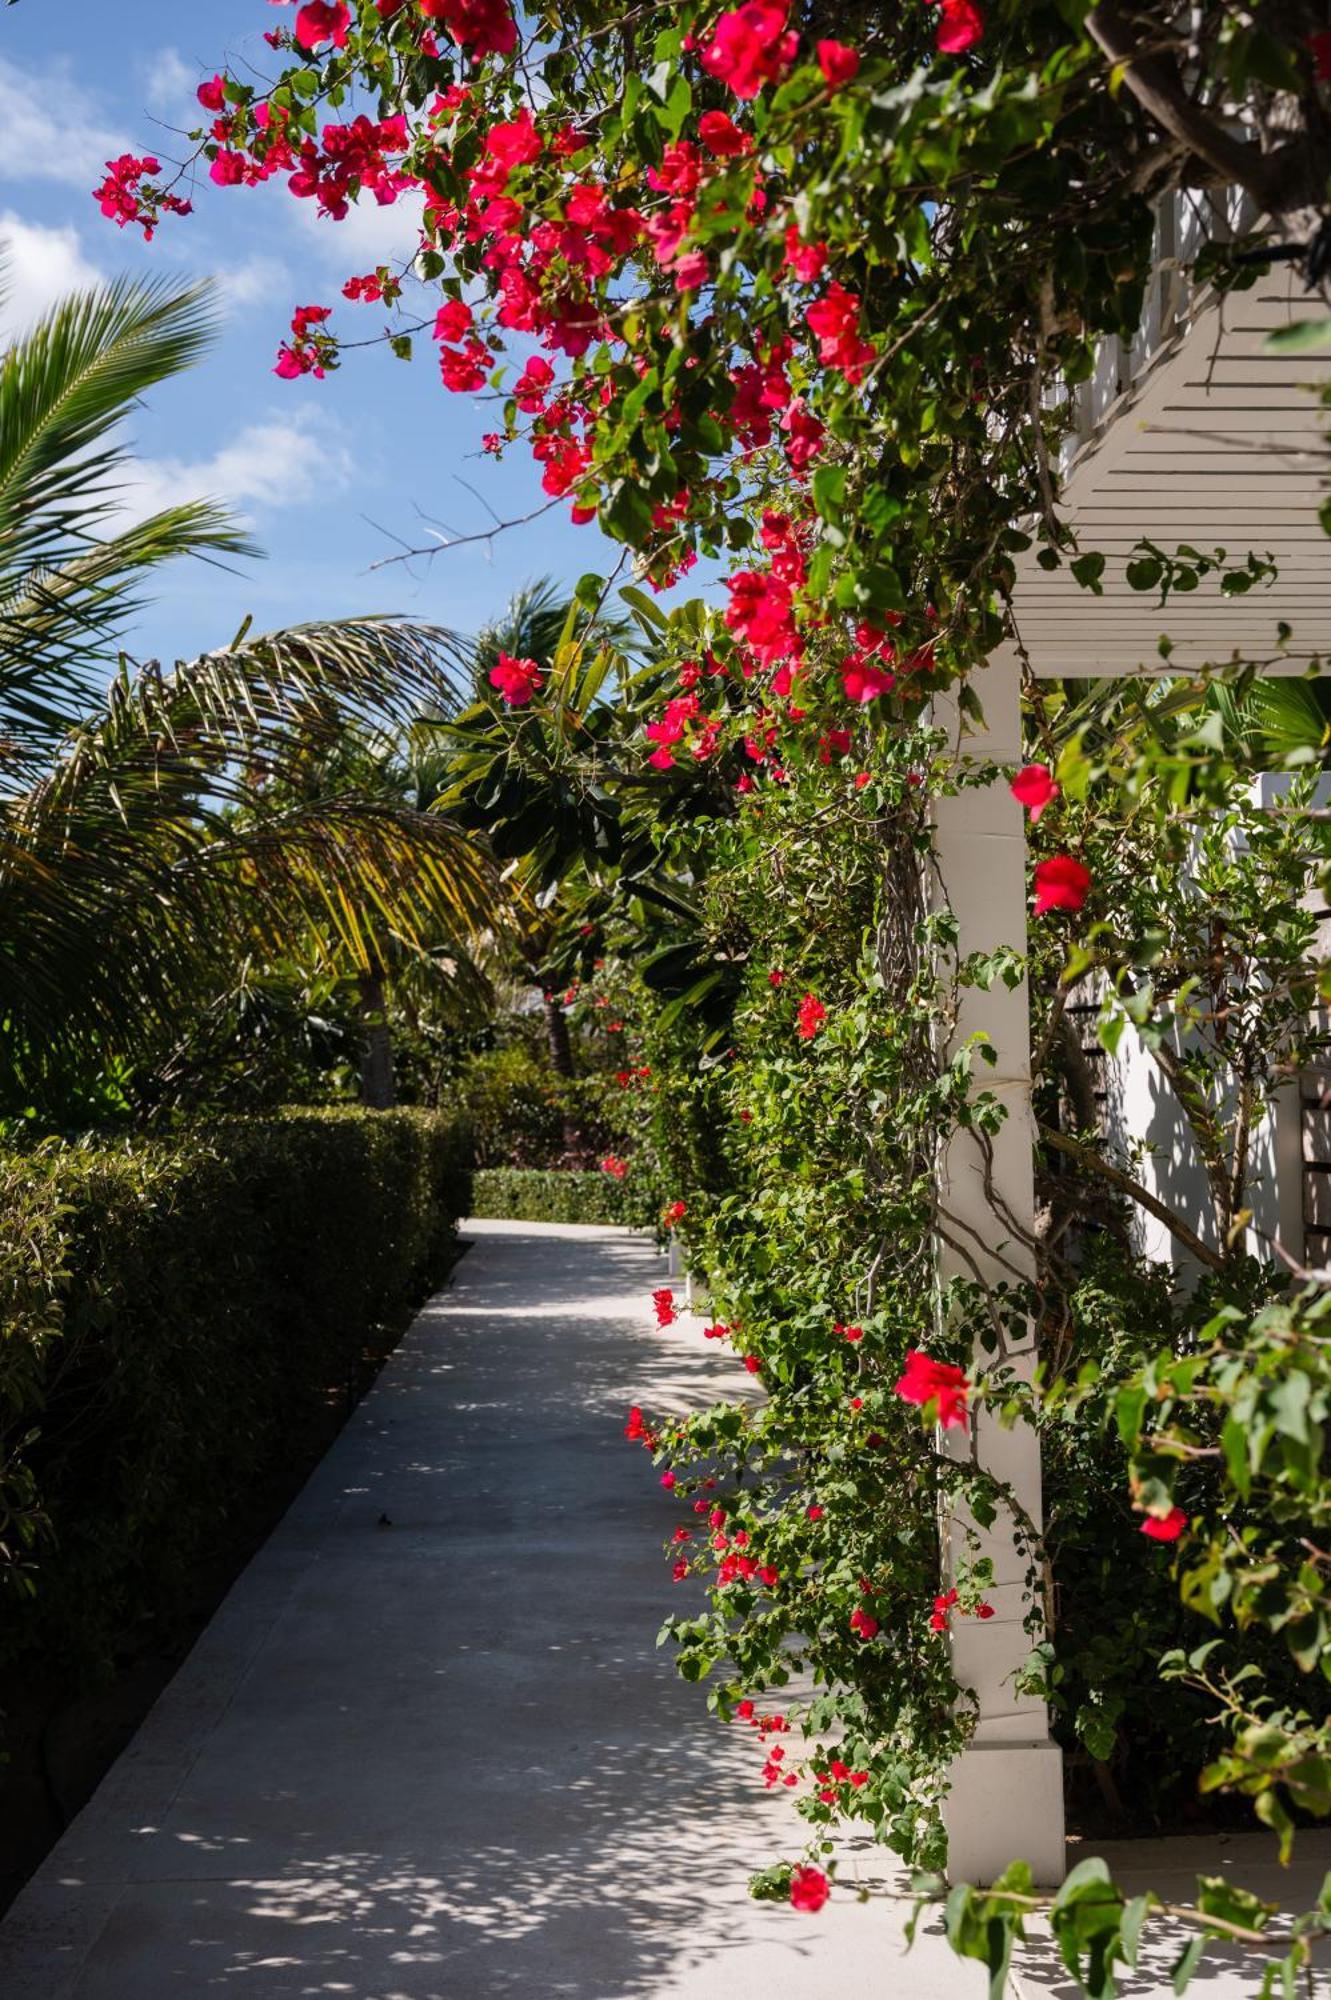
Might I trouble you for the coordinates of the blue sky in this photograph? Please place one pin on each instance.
(323, 473)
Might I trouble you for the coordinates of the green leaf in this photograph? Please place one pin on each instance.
(1305, 336)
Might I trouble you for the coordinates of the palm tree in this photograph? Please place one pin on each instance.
(153, 836)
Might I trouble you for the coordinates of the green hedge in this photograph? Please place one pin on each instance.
(538, 1194)
(173, 1312)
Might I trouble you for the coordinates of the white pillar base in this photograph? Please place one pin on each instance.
(1006, 1804)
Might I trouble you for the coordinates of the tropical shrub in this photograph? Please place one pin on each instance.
(174, 1311)
(535, 1194)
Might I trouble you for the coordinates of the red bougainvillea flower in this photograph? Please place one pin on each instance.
(668, 1480)
(718, 1332)
(834, 321)
(486, 27)
(1165, 1527)
(984, 1611)
(675, 1213)
(680, 1570)
(664, 1302)
(635, 1428)
(751, 46)
(863, 1623)
(1061, 883)
(722, 137)
(927, 1381)
(1320, 48)
(210, 94)
(753, 1362)
(319, 21)
(1034, 788)
(812, 1014)
(614, 1166)
(942, 1605)
(837, 63)
(516, 680)
(776, 977)
(814, 1513)
(960, 27)
(809, 1890)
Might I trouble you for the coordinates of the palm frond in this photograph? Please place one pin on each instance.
(67, 564)
(170, 841)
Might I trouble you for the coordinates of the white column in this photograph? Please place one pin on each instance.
(1006, 1798)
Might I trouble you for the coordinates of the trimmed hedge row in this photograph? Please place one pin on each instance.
(172, 1313)
(553, 1194)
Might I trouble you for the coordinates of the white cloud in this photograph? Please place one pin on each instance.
(170, 84)
(41, 265)
(257, 278)
(368, 234)
(51, 129)
(283, 458)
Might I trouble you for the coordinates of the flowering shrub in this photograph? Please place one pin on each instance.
(811, 308)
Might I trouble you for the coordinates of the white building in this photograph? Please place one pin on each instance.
(1199, 434)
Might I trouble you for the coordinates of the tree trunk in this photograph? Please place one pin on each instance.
(378, 1089)
(556, 1036)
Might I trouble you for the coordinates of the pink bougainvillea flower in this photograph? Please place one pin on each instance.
(486, 27)
(614, 1166)
(664, 1302)
(211, 95)
(927, 1381)
(751, 46)
(809, 1890)
(722, 137)
(834, 321)
(323, 21)
(1061, 883)
(812, 1014)
(806, 260)
(838, 63)
(516, 680)
(668, 1480)
(863, 1623)
(960, 26)
(1034, 788)
(864, 680)
(453, 321)
(1165, 1527)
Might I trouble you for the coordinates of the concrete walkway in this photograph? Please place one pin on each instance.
(442, 1759)
(438, 1756)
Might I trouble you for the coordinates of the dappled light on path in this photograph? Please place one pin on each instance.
(429, 1748)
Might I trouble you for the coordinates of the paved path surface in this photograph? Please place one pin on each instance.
(443, 1760)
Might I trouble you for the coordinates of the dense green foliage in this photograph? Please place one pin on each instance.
(536, 1194)
(174, 1311)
